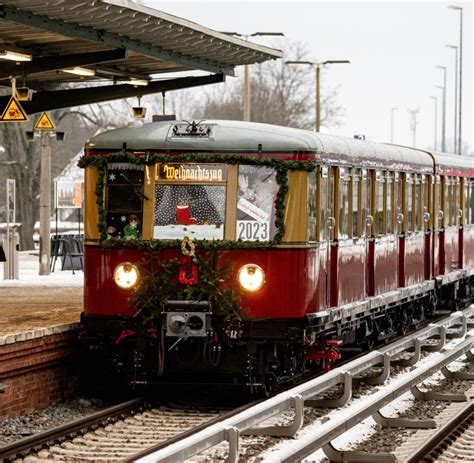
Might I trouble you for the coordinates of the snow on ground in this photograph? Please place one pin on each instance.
(29, 273)
(366, 428)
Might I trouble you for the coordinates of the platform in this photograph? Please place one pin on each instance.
(37, 302)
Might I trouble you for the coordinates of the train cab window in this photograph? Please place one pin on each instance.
(256, 203)
(312, 206)
(190, 201)
(124, 200)
(379, 203)
(354, 204)
(409, 203)
(344, 185)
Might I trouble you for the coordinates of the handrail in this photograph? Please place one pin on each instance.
(251, 417)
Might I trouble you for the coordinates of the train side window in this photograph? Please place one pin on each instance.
(417, 206)
(409, 203)
(379, 203)
(470, 201)
(344, 182)
(456, 201)
(124, 200)
(323, 202)
(437, 200)
(389, 185)
(400, 203)
(447, 201)
(312, 206)
(354, 206)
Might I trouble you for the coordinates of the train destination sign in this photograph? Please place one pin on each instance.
(192, 173)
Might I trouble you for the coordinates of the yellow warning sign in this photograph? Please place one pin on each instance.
(44, 123)
(13, 112)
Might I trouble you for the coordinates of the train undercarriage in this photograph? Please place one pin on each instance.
(185, 346)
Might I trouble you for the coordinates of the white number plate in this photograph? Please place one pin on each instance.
(252, 230)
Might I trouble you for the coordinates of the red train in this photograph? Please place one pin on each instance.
(246, 252)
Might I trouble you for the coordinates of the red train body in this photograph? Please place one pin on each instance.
(367, 238)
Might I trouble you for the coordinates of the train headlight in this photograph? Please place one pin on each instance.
(251, 277)
(126, 275)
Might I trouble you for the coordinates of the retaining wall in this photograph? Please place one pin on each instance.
(37, 368)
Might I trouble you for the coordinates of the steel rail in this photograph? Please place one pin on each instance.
(36, 440)
(437, 439)
(229, 429)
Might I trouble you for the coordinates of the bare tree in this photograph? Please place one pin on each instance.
(281, 94)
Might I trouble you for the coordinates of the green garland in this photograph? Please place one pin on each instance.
(160, 285)
(281, 167)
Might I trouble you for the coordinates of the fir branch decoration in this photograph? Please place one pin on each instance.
(281, 167)
(160, 285)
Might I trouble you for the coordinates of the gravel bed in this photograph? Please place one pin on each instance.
(388, 439)
(13, 429)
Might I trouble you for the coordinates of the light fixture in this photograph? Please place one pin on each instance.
(78, 71)
(139, 111)
(126, 275)
(251, 277)
(14, 55)
(24, 93)
(136, 82)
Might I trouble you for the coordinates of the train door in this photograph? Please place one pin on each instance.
(427, 200)
(468, 222)
(437, 231)
(451, 223)
(385, 240)
(368, 221)
(324, 229)
(348, 248)
(401, 216)
(414, 237)
(331, 224)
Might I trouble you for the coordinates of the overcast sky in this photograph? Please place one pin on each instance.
(393, 48)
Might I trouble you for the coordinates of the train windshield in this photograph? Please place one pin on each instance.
(190, 200)
(256, 203)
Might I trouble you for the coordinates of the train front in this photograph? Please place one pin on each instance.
(185, 276)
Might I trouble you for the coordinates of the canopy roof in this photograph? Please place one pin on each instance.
(118, 39)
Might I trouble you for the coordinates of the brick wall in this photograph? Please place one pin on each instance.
(38, 368)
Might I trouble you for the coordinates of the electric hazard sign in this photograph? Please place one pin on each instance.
(13, 112)
(44, 123)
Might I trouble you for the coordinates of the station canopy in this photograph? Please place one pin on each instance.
(73, 52)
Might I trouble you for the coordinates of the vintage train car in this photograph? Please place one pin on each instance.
(245, 252)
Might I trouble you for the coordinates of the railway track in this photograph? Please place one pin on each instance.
(109, 435)
(454, 441)
(307, 413)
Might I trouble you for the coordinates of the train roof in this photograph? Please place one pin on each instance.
(449, 164)
(239, 137)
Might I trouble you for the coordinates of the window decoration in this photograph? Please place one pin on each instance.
(281, 168)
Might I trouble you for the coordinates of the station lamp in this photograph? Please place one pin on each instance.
(14, 56)
(78, 71)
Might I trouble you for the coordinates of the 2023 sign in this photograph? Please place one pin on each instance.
(252, 230)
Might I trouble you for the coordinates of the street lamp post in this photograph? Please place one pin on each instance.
(317, 124)
(435, 144)
(247, 87)
(456, 146)
(459, 144)
(392, 111)
(443, 133)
